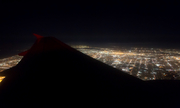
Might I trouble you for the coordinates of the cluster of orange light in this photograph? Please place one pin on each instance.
(117, 53)
(177, 58)
(131, 53)
(1, 78)
(125, 53)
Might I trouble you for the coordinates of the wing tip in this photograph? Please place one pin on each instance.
(37, 36)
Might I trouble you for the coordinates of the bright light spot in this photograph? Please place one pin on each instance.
(1, 78)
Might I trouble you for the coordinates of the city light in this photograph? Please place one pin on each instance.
(1, 78)
(143, 63)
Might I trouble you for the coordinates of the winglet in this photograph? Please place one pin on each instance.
(23, 53)
(37, 36)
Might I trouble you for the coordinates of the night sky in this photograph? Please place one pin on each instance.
(91, 22)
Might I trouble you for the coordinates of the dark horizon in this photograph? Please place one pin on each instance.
(95, 22)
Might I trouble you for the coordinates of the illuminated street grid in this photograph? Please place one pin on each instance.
(9, 62)
(143, 63)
